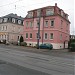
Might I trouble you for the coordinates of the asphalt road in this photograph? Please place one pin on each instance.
(57, 53)
(12, 69)
(41, 63)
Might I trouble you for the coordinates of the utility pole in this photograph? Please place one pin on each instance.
(38, 30)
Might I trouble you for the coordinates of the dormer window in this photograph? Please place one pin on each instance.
(5, 19)
(38, 12)
(49, 11)
(13, 20)
(19, 21)
(30, 14)
(62, 13)
(66, 16)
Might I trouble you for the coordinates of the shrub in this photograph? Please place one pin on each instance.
(21, 39)
(72, 47)
(23, 44)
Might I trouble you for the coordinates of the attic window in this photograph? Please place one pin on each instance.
(1, 20)
(5, 19)
(19, 21)
(49, 11)
(13, 20)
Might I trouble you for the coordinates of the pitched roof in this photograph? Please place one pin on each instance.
(14, 16)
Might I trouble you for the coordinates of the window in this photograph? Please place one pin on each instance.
(46, 23)
(30, 35)
(67, 27)
(30, 14)
(31, 24)
(51, 35)
(26, 24)
(19, 29)
(5, 28)
(1, 20)
(13, 20)
(62, 13)
(60, 36)
(2, 28)
(5, 19)
(52, 23)
(46, 36)
(26, 35)
(61, 24)
(38, 12)
(37, 23)
(19, 21)
(49, 11)
(13, 28)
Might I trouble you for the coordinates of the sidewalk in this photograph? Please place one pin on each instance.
(32, 49)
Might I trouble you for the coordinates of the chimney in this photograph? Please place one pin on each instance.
(56, 4)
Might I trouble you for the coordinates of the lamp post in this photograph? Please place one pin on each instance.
(38, 29)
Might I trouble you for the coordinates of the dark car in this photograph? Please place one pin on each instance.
(46, 46)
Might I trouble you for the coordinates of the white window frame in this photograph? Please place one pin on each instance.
(13, 20)
(30, 14)
(19, 21)
(46, 23)
(2, 28)
(60, 36)
(62, 13)
(30, 35)
(5, 19)
(1, 20)
(51, 23)
(27, 24)
(45, 36)
(49, 11)
(31, 24)
(51, 36)
(5, 28)
(37, 23)
(26, 35)
(38, 13)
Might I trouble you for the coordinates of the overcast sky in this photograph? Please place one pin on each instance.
(21, 7)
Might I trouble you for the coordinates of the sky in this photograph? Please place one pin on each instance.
(20, 7)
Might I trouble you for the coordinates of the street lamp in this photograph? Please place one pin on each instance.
(38, 30)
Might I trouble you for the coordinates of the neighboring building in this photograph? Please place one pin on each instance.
(72, 36)
(54, 27)
(11, 27)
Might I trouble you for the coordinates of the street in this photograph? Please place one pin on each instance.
(29, 63)
(12, 69)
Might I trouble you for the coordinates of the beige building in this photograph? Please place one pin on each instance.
(11, 27)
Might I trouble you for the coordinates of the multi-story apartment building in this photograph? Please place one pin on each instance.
(11, 27)
(54, 27)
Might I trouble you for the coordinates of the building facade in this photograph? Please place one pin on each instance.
(11, 27)
(54, 27)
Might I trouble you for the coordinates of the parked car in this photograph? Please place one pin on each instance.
(72, 47)
(46, 46)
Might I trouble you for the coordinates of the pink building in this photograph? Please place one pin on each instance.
(54, 27)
